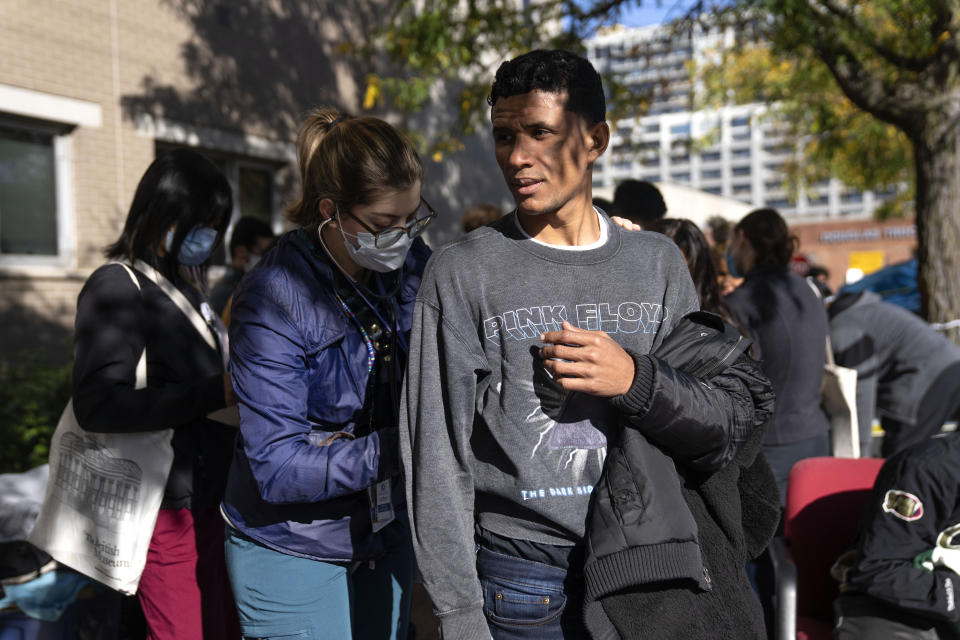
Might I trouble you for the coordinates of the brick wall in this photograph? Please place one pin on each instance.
(244, 68)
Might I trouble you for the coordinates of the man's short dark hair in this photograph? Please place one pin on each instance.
(554, 71)
(247, 231)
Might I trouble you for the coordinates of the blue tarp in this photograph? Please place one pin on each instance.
(896, 284)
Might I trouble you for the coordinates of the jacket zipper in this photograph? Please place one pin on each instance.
(723, 360)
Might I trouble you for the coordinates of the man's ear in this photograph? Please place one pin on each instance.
(599, 137)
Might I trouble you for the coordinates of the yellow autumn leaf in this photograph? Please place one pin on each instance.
(372, 95)
(943, 37)
(438, 156)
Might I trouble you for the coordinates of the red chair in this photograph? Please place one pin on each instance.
(825, 499)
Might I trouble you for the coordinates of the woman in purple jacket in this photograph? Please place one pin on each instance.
(318, 544)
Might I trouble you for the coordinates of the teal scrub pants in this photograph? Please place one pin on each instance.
(286, 597)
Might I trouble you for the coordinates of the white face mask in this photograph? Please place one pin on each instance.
(252, 261)
(370, 257)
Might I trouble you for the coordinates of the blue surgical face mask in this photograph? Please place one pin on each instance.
(196, 246)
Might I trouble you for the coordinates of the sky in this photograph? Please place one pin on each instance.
(653, 12)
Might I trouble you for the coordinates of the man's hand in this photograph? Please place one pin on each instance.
(596, 364)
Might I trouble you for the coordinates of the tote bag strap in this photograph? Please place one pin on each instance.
(819, 295)
(205, 331)
(141, 380)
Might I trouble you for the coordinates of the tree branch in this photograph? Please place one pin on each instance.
(599, 9)
(897, 59)
(869, 92)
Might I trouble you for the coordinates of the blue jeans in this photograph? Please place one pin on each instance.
(525, 600)
(280, 596)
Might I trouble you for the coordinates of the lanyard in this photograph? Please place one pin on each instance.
(391, 326)
(371, 352)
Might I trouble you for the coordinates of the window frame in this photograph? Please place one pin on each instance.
(61, 134)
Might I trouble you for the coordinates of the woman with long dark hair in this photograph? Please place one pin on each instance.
(178, 216)
(693, 245)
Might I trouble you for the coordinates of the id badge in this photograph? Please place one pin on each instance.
(381, 505)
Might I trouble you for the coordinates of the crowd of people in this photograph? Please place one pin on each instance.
(564, 424)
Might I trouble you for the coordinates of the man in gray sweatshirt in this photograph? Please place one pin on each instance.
(525, 335)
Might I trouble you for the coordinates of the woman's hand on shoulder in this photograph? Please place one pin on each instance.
(626, 224)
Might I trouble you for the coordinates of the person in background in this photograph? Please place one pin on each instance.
(720, 231)
(725, 281)
(318, 540)
(479, 215)
(820, 276)
(178, 216)
(906, 372)
(250, 239)
(603, 204)
(905, 573)
(789, 323)
(639, 202)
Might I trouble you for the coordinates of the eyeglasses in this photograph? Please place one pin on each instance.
(390, 236)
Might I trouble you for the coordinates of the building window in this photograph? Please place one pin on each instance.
(710, 156)
(740, 153)
(28, 192)
(741, 171)
(743, 121)
(710, 174)
(255, 192)
(680, 129)
(680, 177)
(36, 196)
(848, 198)
(777, 148)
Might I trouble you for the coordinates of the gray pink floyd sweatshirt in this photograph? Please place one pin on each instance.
(485, 435)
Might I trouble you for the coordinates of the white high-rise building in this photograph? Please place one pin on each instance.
(734, 151)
